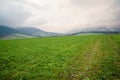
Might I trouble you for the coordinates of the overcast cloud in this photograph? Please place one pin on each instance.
(60, 15)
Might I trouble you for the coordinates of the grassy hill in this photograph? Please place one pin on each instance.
(85, 57)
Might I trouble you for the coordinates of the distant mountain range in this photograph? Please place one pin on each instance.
(103, 30)
(8, 32)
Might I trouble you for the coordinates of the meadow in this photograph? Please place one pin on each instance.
(80, 57)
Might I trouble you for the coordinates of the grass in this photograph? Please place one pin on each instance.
(84, 57)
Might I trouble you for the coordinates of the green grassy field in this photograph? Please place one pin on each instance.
(82, 57)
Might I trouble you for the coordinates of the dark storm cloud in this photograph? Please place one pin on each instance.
(12, 13)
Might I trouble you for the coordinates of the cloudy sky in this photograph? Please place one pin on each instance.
(60, 15)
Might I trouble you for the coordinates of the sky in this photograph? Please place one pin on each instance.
(60, 15)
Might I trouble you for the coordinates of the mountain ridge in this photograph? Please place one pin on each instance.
(31, 32)
(26, 31)
(105, 30)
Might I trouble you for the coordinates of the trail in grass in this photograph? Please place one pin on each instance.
(90, 64)
(100, 61)
(61, 58)
(87, 64)
(111, 61)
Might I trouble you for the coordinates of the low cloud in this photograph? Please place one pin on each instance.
(60, 15)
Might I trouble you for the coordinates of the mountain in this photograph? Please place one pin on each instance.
(101, 29)
(4, 31)
(35, 32)
(29, 32)
(7, 32)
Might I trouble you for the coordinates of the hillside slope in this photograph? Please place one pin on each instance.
(9, 32)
